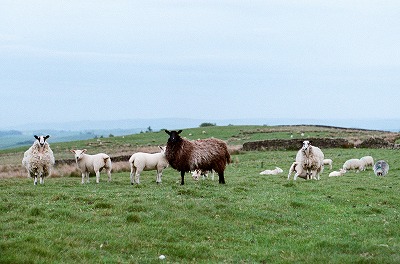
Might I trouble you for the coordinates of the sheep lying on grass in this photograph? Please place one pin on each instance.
(311, 160)
(381, 168)
(368, 161)
(141, 161)
(197, 173)
(337, 173)
(275, 171)
(39, 159)
(328, 162)
(206, 154)
(353, 164)
(92, 164)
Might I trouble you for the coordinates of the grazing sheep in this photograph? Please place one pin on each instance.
(353, 164)
(337, 173)
(275, 171)
(381, 168)
(328, 162)
(311, 159)
(147, 161)
(368, 161)
(297, 169)
(92, 164)
(206, 154)
(197, 173)
(39, 159)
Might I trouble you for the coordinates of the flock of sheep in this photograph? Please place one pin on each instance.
(198, 157)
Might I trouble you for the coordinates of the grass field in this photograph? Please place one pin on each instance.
(251, 219)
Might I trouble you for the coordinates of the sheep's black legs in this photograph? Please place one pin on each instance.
(182, 177)
(221, 177)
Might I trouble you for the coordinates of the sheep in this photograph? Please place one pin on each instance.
(381, 168)
(337, 173)
(39, 159)
(353, 164)
(147, 161)
(328, 162)
(275, 171)
(92, 164)
(368, 161)
(311, 159)
(197, 173)
(206, 154)
(297, 169)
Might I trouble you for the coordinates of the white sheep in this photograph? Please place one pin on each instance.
(381, 168)
(337, 173)
(297, 169)
(197, 173)
(141, 161)
(368, 161)
(311, 160)
(39, 159)
(92, 164)
(328, 162)
(275, 171)
(353, 164)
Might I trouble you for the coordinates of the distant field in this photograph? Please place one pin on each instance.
(251, 219)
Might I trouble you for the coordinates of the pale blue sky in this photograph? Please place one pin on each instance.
(101, 60)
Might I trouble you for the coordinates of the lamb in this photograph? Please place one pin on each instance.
(92, 164)
(337, 173)
(147, 161)
(328, 162)
(297, 169)
(381, 168)
(206, 154)
(311, 160)
(39, 159)
(353, 164)
(368, 161)
(197, 173)
(275, 171)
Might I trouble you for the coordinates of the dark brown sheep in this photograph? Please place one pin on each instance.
(206, 154)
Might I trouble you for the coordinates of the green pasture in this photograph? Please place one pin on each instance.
(251, 219)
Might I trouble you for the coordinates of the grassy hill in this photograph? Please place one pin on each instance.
(252, 219)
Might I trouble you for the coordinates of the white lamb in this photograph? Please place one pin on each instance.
(353, 164)
(337, 173)
(328, 162)
(368, 161)
(275, 171)
(141, 161)
(39, 159)
(297, 169)
(311, 160)
(92, 164)
(197, 173)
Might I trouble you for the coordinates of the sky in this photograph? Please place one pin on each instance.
(64, 61)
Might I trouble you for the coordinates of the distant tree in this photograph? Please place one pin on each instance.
(149, 129)
(111, 135)
(207, 124)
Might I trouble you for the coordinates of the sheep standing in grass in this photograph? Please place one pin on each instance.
(381, 168)
(368, 161)
(206, 154)
(275, 171)
(337, 173)
(353, 164)
(147, 161)
(311, 159)
(39, 159)
(197, 173)
(92, 164)
(328, 162)
(298, 169)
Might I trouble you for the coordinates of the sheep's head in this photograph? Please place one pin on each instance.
(162, 149)
(306, 145)
(174, 136)
(78, 153)
(41, 139)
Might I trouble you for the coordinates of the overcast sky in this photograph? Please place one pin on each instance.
(103, 60)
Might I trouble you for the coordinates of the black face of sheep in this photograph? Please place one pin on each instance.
(174, 136)
(41, 139)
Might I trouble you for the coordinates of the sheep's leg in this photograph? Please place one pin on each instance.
(159, 174)
(97, 176)
(133, 172)
(35, 180)
(83, 177)
(221, 177)
(109, 175)
(41, 179)
(137, 176)
(212, 175)
(295, 176)
(182, 177)
(87, 176)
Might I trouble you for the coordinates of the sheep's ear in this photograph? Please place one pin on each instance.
(72, 150)
(167, 131)
(36, 137)
(46, 137)
(84, 150)
(179, 131)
